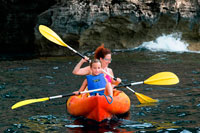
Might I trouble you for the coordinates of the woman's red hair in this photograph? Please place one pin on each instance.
(101, 52)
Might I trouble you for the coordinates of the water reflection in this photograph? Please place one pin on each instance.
(50, 123)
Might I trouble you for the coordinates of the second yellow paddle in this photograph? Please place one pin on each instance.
(161, 78)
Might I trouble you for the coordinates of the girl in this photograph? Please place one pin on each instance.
(104, 55)
(96, 80)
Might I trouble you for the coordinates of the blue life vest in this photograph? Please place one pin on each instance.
(96, 82)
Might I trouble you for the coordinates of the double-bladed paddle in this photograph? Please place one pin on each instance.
(30, 101)
(156, 80)
(161, 78)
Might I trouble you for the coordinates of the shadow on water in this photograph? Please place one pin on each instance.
(177, 111)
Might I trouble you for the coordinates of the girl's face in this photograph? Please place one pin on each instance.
(96, 68)
(106, 60)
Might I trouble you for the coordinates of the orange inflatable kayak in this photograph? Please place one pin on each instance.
(97, 107)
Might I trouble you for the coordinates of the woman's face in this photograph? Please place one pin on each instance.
(96, 68)
(106, 60)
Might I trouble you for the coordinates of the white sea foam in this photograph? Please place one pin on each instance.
(168, 43)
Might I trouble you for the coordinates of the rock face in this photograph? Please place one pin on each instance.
(123, 24)
(85, 24)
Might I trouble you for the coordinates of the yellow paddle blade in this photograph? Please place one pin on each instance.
(51, 35)
(25, 102)
(162, 78)
(145, 99)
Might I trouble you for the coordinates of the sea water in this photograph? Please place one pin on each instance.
(177, 110)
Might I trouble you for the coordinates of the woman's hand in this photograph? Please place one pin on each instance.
(119, 80)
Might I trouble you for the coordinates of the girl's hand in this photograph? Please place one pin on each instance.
(86, 59)
(76, 92)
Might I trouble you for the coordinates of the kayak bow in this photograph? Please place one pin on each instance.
(97, 108)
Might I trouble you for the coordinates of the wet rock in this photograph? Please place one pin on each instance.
(84, 24)
(119, 24)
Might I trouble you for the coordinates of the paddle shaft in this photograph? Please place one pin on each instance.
(66, 95)
(76, 52)
(131, 84)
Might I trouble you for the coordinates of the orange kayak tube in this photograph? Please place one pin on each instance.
(96, 107)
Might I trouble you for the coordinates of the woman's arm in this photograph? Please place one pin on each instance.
(109, 89)
(114, 82)
(81, 71)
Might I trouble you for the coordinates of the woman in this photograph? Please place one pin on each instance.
(96, 80)
(104, 55)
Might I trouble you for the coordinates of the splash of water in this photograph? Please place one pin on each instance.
(167, 43)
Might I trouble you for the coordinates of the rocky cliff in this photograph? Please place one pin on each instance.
(85, 24)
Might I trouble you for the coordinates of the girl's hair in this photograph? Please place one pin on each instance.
(95, 61)
(101, 52)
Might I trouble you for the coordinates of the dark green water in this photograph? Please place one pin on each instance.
(178, 109)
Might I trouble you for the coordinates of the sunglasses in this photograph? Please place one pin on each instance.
(107, 59)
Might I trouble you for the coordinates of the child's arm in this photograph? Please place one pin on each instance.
(81, 71)
(82, 88)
